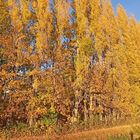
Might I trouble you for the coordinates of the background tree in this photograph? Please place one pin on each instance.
(67, 61)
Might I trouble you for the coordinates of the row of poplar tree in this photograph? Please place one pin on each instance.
(72, 59)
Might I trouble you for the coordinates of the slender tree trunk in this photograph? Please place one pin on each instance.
(85, 111)
(114, 115)
(91, 110)
(31, 121)
(105, 118)
(100, 117)
(76, 107)
(31, 117)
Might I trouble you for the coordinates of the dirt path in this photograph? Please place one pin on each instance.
(96, 134)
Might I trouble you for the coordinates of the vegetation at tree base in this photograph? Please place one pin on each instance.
(67, 62)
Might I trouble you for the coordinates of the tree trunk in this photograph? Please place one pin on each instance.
(85, 110)
(76, 107)
(31, 121)
(91, 110)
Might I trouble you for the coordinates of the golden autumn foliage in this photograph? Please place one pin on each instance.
(67, 62)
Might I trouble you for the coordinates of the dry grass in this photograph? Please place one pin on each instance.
(31, 138)
(97, 134)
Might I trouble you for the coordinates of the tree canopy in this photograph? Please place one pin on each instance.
(67, 59)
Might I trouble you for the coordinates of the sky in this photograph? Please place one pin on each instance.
(131, 6)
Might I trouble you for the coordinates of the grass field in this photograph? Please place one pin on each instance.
(113, 133)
